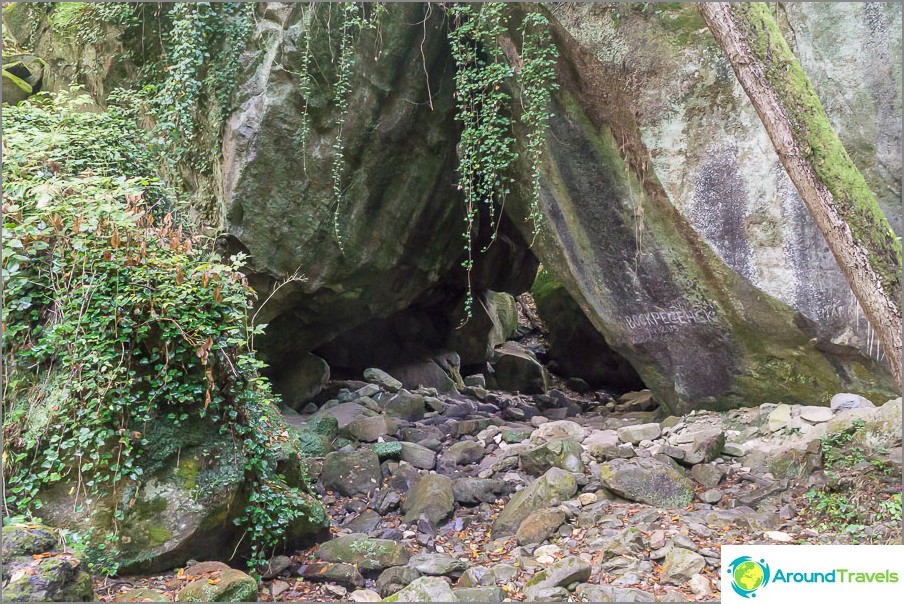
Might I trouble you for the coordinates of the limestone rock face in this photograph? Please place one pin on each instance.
(397, 178)
(706, 273)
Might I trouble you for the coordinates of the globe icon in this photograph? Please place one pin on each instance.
(749, 575)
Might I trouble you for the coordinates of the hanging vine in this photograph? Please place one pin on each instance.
(487, 148)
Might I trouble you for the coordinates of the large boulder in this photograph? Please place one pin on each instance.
(555, 484)
(431, 496)
(352, 473)
(193, 490)
(391, 240)
(647, 480)
(708, 275)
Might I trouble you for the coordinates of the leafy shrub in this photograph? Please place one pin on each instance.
(115, 315)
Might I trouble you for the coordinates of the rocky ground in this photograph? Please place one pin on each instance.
(488, 496)
(482, 494)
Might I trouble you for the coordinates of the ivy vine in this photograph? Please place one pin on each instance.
(116, 316)
(484, 107)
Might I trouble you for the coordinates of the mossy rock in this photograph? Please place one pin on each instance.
(364, 552)
(58, 578)
(218, 583)
(28, 539)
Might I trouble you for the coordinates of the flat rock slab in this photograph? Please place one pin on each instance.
(647, 480)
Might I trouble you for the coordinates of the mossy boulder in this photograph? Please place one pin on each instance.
(647, 480)
(696, 260)
(364, 552)
(59, 577)
(217, 582)
(141, 594)
(27, 540)
(555, 485)
(194, 488)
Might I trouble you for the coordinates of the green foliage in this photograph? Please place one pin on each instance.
(484, 106)
(852, 480)
(114, 316)
(202, 48)
(355, 18)
(87, 21)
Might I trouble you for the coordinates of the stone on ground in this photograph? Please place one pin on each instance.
(425, 589)
(58, 578)
(217, 582)
(365, 553)
(438, 564)
(562, 428)
(846, 400)
(479, 594)
(142, 594)
(647, 480)
(555, 484)
(395, 578)
(418, 456)
(464, 453)
(352, 473)
(27, 540)
(382, 379)
(432, 496)
(606, 593)
(341, 572)
(518, 370)
(560, 453)
(637, 433)
(539, 526)
(561, 573)
(680, 565)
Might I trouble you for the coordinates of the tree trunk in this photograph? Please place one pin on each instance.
(834, 191)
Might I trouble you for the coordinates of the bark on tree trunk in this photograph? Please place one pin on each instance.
(834, 191)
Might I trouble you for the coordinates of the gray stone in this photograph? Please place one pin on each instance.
(708, 475)
(345, 413)
(472, 491)
(438, 564)
(539, 526)
(607, 593)
(498, 574)
(561, 573)
(479, 594)
(370, 428)
(559, 453)
(733, 450)
(709, 443)
(382, 379)
(342, 573)
(845, 401)
(647, 480)
(405, 405)
(680, 565)
(425, 589)
(546, 594)
(464, 453)
(711, 496)
(431, 496)
(635, 434)
(554, 430)
(362, 551)
(352, 473)
(517, 370)
(778, 418)
(554, 484)
(301, 380)
(815, 415)
(418, 456)
(395, 578)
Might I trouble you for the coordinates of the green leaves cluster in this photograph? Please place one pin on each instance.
(116, 316)
(201, 56)
(485, 108)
